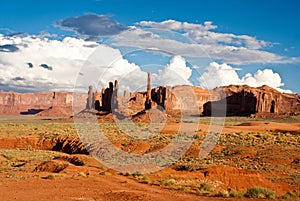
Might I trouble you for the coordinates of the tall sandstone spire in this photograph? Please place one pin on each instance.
(148, 103)
(90, 99)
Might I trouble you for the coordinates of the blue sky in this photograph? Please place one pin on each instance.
(275, 22)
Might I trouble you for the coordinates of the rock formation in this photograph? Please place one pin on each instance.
(178, 99)
(245, 100)
(98, 102)
(106, 97)
(90, 103)
(189, 100)
(148, 102)
(52, 103)
(115, 99)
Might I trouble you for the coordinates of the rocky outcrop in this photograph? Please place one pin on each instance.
(182, 99)
(148, 101)
(106, 97)
(245, 100)
(90, 102)
(106, 100)
(109, 100)
(234, 100)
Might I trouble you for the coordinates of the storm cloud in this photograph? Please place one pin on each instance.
(8, 48)
(46, 67)
(92, 25)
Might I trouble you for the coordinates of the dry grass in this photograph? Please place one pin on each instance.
(14, 126)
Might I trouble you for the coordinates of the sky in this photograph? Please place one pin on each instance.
(68, 45)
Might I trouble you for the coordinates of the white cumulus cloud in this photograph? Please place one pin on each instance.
(175, 73)
(41, 63)
(217, 75)
(204, 34)
(33, 63)
(228, 48)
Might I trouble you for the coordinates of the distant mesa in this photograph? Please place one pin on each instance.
(233, 100)
(240, 100)
(40, 103)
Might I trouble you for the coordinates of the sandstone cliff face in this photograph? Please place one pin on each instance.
(231, 100)
(185, 99)
(189, 100)
(245, 100)
(32, 103)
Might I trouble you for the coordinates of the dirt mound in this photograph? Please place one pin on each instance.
(125, 195)
(51, 166)
(56, 112)
(71, 159)
(27, 142)
(152, 116)
(66, 145)
(91, 114)
(241, 180)
(137, 147)
(254, 124)
(146, 116)
(261, 126)
(2, 158)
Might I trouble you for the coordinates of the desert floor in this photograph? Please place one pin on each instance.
(43, 159)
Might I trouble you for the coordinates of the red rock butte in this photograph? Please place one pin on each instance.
(238, 100)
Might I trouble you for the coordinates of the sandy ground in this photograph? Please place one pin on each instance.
(24, 185)
(92, 188)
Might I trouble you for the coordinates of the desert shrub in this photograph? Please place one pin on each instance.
(107, 174)
(201, 192)
(82, 174)
(168, 182)
(137, 174)
(183, 188)
(127, 174)
(145, 180)
(260, 192)
(50, 176)
(196, 137)
(236, 194)
(288, 195)
(204, 189)
(222, 193)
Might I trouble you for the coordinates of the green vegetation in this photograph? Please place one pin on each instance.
(222, 193)
(107, 174)
(35, 127)
(29, 155)
(183, 188)
(260, 192)
(234, 120)
(236, 194)
(288, 195)
(50, 176)
(249, 150)
(145, 180)
(204, 189)
(168, 182)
